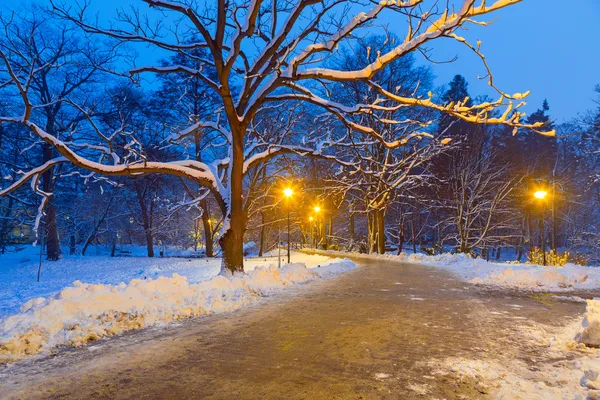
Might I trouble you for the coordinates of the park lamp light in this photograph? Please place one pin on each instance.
(540, 194)
(288, 192)
(317, 209)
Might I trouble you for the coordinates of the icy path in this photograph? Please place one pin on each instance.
(380, 331)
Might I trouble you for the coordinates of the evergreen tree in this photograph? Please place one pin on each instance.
(458, 91)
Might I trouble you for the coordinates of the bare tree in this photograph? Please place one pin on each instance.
(480, 211)
(58, 65)
(263, 54)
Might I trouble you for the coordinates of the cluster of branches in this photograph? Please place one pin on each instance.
(252, 81)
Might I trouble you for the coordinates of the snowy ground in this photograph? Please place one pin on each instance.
(80, 299)
(567, 363)
(513, 275)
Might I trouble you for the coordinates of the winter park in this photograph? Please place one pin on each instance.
(299, 199)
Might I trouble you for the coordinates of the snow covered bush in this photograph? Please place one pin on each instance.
(553, 257)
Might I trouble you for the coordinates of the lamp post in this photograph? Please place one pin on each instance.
(312, 229)
(288, 192)
(317, 210)
(541, 195)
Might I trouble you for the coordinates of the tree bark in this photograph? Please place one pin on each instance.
(400, 237)
(232, 241)
(372, 235)
(53, 251)
(145, 220)
(261, 245)
(412, 235)
(208, 231)
(351, 227)
(380, 231)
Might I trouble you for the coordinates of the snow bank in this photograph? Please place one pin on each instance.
(589, 333)
(18, 272)
(522, 276)
(84, 312)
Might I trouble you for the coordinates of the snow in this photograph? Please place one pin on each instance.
(158, 291)
(514, 275)
(571, 369)
(589, 333)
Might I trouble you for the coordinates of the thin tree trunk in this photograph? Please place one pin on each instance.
(4, 231)
(261, 245)
(94, 232)
(145, 220)
(400, 237)
(380, 231)
(72, 243)
(412, 235)
(351, 226)
(207, 226)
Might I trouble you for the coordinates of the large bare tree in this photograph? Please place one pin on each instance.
(263, 53)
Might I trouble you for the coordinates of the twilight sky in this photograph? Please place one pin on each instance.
(545, 46)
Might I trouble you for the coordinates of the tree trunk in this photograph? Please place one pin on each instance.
(72, 243)
(5, 227)
(113, 248)
(380, 231)
(530, 226)
(261, 245)
(351, 227)
(232, 242)
(53, 251)
(207, 226)
(412, 235)
(94, 232)
(400, 237)
(372, 234)
(145, 220)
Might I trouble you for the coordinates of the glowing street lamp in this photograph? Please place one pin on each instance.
(541, 195)
(317, 209)
(288, 192)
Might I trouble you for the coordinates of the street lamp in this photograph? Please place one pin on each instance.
(288, 192)
(541, 195)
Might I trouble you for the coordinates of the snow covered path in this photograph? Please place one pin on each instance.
(386, 330)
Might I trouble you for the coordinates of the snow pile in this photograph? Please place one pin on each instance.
(516, 380)
(589, 333)
(86, 312)
(18, 272)
(480, 271)
(525, 276)
(563, 366)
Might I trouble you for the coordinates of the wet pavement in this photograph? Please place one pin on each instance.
(367, 334)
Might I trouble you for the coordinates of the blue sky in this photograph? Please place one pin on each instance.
(545, 46)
